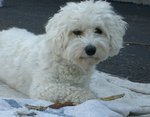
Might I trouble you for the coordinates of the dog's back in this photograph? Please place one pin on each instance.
(15, 46)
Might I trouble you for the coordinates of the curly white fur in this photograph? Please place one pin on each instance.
(55, 66)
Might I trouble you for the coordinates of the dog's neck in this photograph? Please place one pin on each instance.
(71, 73)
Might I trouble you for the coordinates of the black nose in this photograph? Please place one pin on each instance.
(90, 50)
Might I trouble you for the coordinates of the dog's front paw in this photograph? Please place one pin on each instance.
(62, 93)
(78, 97)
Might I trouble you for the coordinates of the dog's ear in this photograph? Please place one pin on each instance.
(56, 33)
(114, 24)
(117, 28)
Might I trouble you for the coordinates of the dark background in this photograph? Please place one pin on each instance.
(132, 63)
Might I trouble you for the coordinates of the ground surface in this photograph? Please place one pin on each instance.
(133, 62)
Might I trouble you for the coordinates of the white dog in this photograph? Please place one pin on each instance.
(58, 65)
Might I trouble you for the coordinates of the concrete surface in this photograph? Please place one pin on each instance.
(145, 2)
(133, 62)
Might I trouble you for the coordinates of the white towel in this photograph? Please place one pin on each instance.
(135, 103)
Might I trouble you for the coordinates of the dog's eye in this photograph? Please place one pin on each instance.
(77, 32)
(98, 31)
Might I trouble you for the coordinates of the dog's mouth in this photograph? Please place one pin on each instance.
(89, 58)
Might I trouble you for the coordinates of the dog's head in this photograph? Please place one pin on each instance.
(86, 33)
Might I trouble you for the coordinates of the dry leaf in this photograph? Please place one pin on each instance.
(56, 105)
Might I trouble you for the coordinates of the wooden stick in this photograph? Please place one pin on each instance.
(137, 43)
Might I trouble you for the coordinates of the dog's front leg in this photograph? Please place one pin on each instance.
(60, 92)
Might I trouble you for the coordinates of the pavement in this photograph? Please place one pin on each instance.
(132, 63)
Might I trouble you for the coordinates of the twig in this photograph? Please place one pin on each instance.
(114, 97)
(19, 114)
(56, 105)
(39, 108)
(137, 43)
